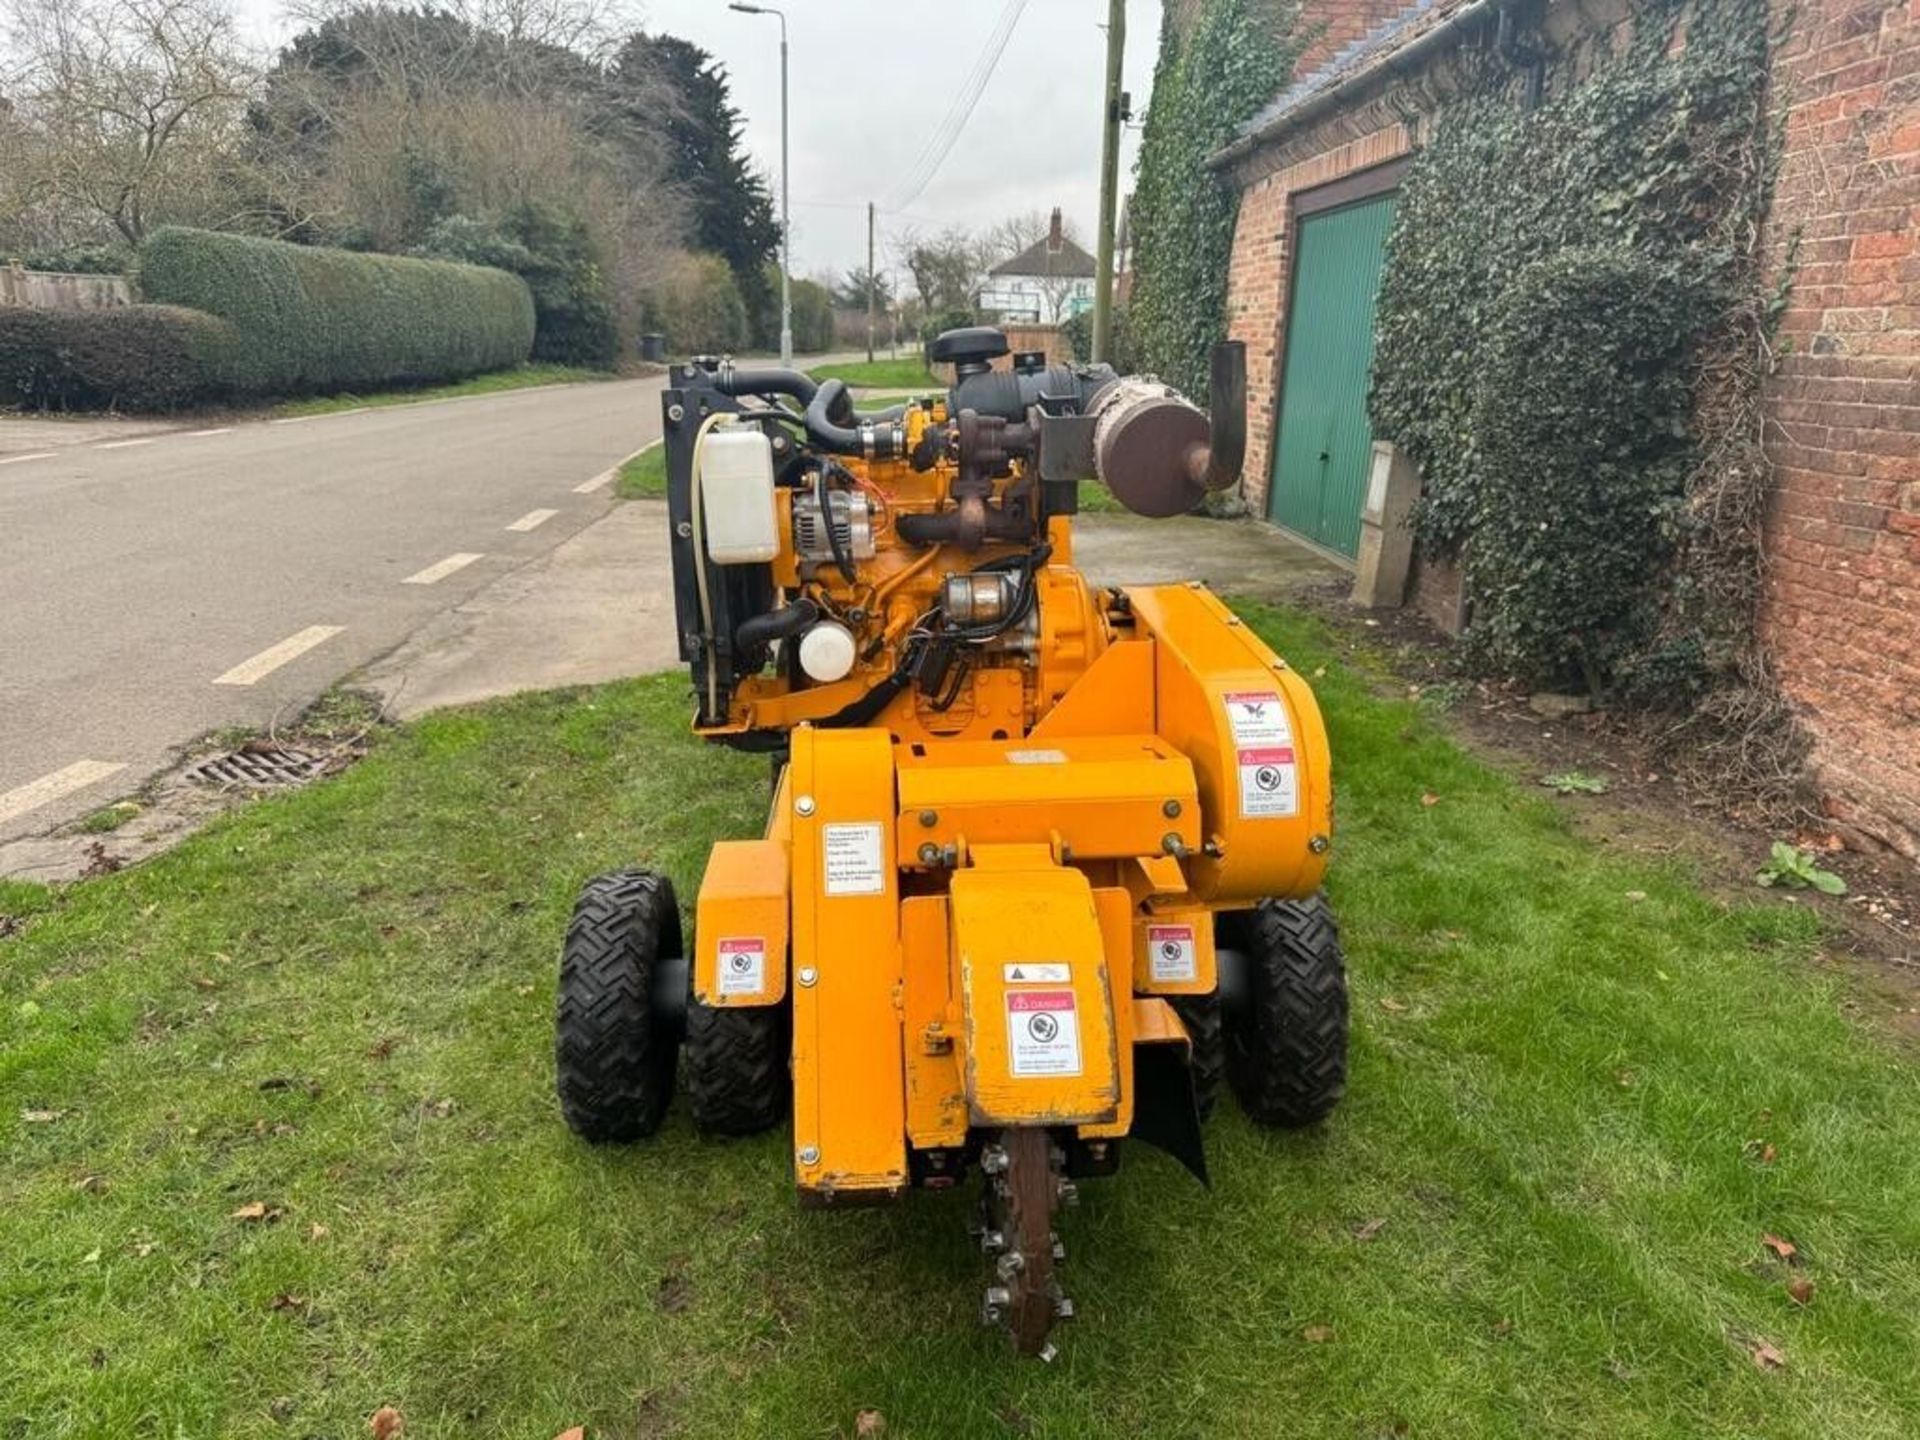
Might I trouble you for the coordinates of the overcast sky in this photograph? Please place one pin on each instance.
(871, 80)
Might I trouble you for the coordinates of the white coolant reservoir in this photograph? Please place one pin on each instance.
(736, 495)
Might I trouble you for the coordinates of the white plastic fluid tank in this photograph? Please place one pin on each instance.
(827, 652)
(736, 495)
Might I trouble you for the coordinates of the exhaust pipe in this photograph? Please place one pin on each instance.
(1157, 451)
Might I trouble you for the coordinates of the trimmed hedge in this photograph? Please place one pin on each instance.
(308, 318)
(132, 357)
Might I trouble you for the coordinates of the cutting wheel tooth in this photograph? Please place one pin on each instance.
(992, 1242)
(1048, 1352)
(1063, 1309)
(1011, 1264)
(1059, 1251)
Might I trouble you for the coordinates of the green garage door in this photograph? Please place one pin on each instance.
(1324, 442)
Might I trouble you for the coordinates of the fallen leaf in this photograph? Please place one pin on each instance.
(284, 1301)
(1317, 1334)
(440, 1109)
(383, 1048)
(143, 1249)
(317, 1231)
(257, 1212)
(92, 1257)
(1503, 1326)
(1429, 799)
(1785, 1249)
(91, 1184)
(1393, 1006)
(205, 982)
(1624, 1079)
(1636, 896)
(41, 1117)
(1800, 1290)
(577, 1432)
(1768, 1154)
(523, 990)
(869, 1424)
(1766, 1357)
(387, 1424)
(1370, 1228)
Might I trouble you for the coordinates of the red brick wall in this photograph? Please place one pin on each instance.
(1328, 26)
(1843, 608)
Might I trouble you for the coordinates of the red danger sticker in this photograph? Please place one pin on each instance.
(1170, 953)
(1043, 1033)
(743, 965)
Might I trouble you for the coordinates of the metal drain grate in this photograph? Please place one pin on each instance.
(258, 766)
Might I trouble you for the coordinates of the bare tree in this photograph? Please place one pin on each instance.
(1006, 238)
(128, 111)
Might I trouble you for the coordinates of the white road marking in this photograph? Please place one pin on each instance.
(217, 430)
(127, 444)
(272, 658)
(445, 568)
(19, 459)
(587, 487)
(533, 520)
(48, 788)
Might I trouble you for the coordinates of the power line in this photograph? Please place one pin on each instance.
(941, 142)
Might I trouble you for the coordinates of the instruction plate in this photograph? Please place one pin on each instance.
(853, 860)
(1043, 1033)
(1264, 754)
(1170, 953)
(743, 965)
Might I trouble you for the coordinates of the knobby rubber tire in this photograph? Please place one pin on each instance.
(1207, 1047)
(736, 1067)
(613, 1063)
(1286, 1046)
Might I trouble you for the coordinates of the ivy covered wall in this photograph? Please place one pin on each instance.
(1572, 337)
(1221, 63)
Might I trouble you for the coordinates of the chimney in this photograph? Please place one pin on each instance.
(1054, 237)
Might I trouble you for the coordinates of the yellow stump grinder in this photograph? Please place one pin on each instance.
(1043, 861)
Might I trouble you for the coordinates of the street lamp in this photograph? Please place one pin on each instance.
(786, 225)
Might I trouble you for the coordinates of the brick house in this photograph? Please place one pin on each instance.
(1317, 171)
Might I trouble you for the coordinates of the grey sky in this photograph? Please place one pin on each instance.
(871, 80)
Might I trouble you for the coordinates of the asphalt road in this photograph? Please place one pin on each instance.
(156, 584)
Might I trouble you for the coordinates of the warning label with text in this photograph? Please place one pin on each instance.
(1170, 953)
(743, 965)
(1043, 1033)
(1264, 754)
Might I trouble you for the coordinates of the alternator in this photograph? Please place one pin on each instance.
(852, 519)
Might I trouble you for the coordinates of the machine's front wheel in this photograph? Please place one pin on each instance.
(613, 1055)
(736, 1067)
(1287, 1040)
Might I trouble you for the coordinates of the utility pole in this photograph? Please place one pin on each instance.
(1109, 179)
(786, 222)
(873, 283)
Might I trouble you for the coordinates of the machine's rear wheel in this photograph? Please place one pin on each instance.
(613, 1056)
(1286, 1045)
(736, 1067)
(1207, 1055)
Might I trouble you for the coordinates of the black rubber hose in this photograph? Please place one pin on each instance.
(876, 438)
(779, 624)
(765, 380)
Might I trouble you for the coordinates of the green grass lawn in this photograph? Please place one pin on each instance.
(643, 476)
(521, 377)
(902, 374)
(1583, 1091)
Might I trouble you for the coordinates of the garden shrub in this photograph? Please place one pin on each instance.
(697, 306)
(129, 357)
(313, 319)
